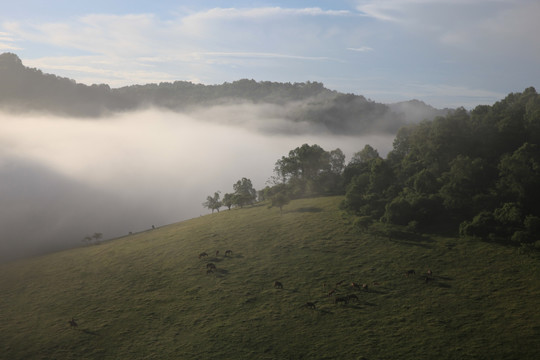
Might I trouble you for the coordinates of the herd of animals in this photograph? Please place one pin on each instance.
(211, 268)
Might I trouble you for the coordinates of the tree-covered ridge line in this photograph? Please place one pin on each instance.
(474, 173)
(27, 89)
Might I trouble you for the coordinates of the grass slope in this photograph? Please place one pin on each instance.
(148, 296)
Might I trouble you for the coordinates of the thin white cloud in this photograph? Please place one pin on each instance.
(261, 13)
(361, 49)
(6, 46)
(6, 42)
(267, 55)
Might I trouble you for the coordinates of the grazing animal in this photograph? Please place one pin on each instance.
(352, 297)
(278, 285)
(228, 252)
(72, 323)
(203, 254)
(429, 272)
(310, 305)
(211, 266)
(341, 300)
(340, 282)
(365, 287)
(410, 272)
(217, 252)
(376, 283)
(332, 292)
(355, 285)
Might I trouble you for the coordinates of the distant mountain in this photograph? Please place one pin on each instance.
(24, 89)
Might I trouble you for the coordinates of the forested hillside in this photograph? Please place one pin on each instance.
(26, 89)
(476, 173)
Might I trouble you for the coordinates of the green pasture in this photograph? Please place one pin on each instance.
(149, 296)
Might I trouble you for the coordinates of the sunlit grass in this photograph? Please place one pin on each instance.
(148, 295)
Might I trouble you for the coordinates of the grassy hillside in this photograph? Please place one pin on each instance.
(148, 296)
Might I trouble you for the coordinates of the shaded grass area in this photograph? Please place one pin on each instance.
(148, 296)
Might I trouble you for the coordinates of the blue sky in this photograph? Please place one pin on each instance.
(444, 52)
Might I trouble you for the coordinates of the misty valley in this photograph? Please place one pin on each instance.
(264, 220)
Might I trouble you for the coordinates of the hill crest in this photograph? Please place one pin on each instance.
(26, 89)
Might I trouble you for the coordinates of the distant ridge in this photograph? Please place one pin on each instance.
(24, 89)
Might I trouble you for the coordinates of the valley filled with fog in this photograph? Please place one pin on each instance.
(67, 178)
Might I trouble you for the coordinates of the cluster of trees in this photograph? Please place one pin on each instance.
(96, 238)
(308, 170)
(476, 173)
(244, 194)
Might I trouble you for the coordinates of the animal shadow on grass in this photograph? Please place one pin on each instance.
(443, 285)
(90, 332)
(438, 281)
(222, 271)
(324, 311)
(375, 291)
(289, 290)
(445, 278)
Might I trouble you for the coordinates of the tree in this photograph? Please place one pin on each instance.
(337, 161)
(228, 200)
(279, 200)
(87, 240)
(213, 203)
(367, 154)
(97, 237)
(244, 193)
(304, 162)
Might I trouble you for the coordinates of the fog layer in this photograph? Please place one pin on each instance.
(63, 179)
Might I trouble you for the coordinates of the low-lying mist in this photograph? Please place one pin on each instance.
(62, 179)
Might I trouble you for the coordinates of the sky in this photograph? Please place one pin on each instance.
(447, 53)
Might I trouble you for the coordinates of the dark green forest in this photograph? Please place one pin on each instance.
(474, 173)
(25, 89)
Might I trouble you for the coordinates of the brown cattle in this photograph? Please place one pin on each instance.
(278, 285)
(332, 292)
(228, 252)
(217, 253)
(365, 287)
(429, 272)
(410, 272)
(210, 266)
(203, 254)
